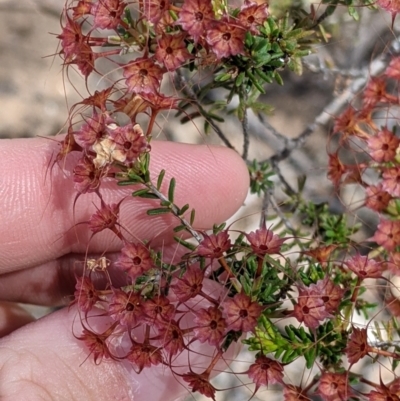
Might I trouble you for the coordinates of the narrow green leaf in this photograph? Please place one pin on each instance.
(240, 78)
(171, 190)
(183, 209)
(158, 211)
(185, 243)
(179, 228)
(255, 82)
(160, 179)
(192, 216)
(278, 79)
(141, 192)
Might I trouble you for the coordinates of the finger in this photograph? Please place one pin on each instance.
(45, 361)
(12, 317)
(38, 207)
(53, 283)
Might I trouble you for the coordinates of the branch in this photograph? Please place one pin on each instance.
(191, 95)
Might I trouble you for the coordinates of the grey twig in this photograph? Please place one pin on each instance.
(376, 67)
(246, 136)
(191, 95)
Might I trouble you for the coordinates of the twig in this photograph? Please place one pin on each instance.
(376, 67)
(175, 211)
(246, 137)
(191, 95)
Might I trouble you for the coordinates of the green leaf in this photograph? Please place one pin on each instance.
(179, 228)
(185, 243)
(183, 209)
(158, 211)
(278, 78)
(255, 82)
(144, 193)
(240, 78)
(192, 217)
(160, 179)
(171, 190)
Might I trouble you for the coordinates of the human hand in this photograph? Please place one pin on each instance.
(40, 246)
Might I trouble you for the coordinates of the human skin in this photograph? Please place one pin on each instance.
(42, 247)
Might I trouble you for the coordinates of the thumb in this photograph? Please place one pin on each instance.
(44, 360)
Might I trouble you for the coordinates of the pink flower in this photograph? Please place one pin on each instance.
(154, 9)
(85, 294)
(171, 337)
(263, 241)
(92, 131)
(189, 285)
(252, 15)
(393, 69)
(383, 146)
(364, 267)
(135, 260)
(387, 234)
(330, 293)
(240, 313)
(107, 13)
(105, 217)
(126, 308)
(214, 245)
(391, 181)
(210, 326)
(130, 142)
(143, 76)
(310, 309)
(86, 176)
(158, 311)
(357, 345)
(172, 52)
(226, 38)
(376, 198)
(195, 17)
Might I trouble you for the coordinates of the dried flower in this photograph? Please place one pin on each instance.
(200, 383)
(265, 371)
(357, 345)
(334, 387)
(144, 356)
(85, 294)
